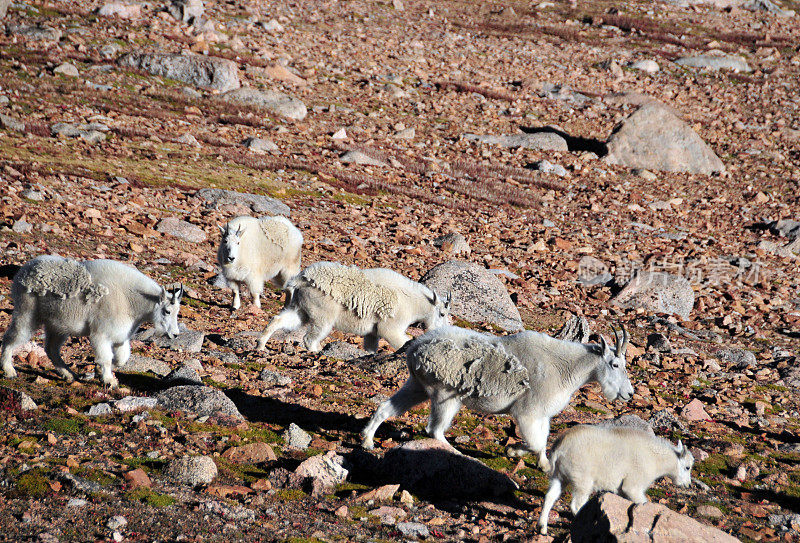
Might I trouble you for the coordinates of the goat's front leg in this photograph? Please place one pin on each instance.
(395, 336)
(409, 395)
(256, 288)
(634, 492)
(534, 432)
(237, 299)
(52, 346)
(103, 354)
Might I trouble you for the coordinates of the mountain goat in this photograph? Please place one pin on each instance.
(621, 460)
(374, 303)
(530, 376)
(253, 251)
(103, 299)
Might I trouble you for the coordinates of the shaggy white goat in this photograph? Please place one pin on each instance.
(102, 299)
(373, 303)
(530, 376)
(621, 460)
(254, 251)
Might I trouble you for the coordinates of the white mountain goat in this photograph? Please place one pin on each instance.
(253, 251)
(103, 299)
(623, 460)
(530, 376)
(374, 303)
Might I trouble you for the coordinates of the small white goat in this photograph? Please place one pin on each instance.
(374, 303)
(530, 376)
(253, 251)
(103, 299)
(625, 461)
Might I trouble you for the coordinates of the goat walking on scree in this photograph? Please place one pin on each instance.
(528, 375)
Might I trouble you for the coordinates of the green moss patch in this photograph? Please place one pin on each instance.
(145, 495)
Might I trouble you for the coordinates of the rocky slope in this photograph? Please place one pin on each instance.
(384, 126)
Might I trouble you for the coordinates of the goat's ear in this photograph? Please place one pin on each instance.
(604, 349)
(435, 299)
(177, 294)
(679, 448)
(163, 296)
(448, 299)
(239, 230)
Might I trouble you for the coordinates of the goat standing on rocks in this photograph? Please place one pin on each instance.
(103, 299)
(374, 303)
(621, 460)
(530, 376)
(253, 251)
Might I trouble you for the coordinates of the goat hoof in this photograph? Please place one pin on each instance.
(543, 530)
(367, 444)
(111, 383)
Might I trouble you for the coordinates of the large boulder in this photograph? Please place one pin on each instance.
(477, 294)
(256, 202)
(608, 517)
(653, 138)
(542, 141)
(657, 292)
(172, 226)
(427, 467)
(273, 101)
(212, 72)
(192, 470)
(325, 471)
(200, 400)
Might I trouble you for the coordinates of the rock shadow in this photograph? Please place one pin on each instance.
(574, 144)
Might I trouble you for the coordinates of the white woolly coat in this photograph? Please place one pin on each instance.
(270, 251)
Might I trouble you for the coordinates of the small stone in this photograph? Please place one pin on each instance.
(137, 478)
(695, 411)
(183, 376)
(99, 410)
(273, 26)
(659, 342)
(188, 139)
(11, 123)
(296, 437)
(413, 529)
(272, 378)
(340, 134)
(77, 502)
(116, 522)
(67, 69)
(362, 159)
(252, 453)
(22, 227)
(454, 244)
(181, 229)
(121, 10)
(739, 358)
(134, 403)
(406, 498)
(341, 350)
(192, 470)
(342, 511)
(406, 134)
(648, 66)
(715, 62)
(260, 145)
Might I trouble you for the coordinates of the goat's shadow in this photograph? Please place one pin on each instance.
(574, 144)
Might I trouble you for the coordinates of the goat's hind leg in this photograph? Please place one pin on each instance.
(52, 346)
(287, 319)
(103, 354)
(409, 395)
(122, 352)
(534, 432)
(19, 331)
(441, 417)
(553, 493)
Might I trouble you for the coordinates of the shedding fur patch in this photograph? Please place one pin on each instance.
(472, 367)
(349, 286)
(275, 230)
(63, 278)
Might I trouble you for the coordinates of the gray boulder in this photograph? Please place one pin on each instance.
(575, 329)
(181, 229)
(188, 341)
(272, 378)
(201, 71)
(362, 159)
(35, 32)
(543, 141)
(15, 400)
(12, 123)
(200, 400)
(192, 470)
(715, 62)
(143, 364)
(767, 7)
(326, 471)
(260, 145)
(187, 11)
(739, 358)
(608, 517)
(183, 376)
(454, 244)
(296, 437)
(657, 292)
(256, 202)
(427, 467)
(653, 138)
(273, 101)
(785, 227)
(477, 294)
(341, 350)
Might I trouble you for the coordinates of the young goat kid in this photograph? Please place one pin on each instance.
(254, 251)
(530, 376)
(374, 303)
(103, 299)
(625, 461)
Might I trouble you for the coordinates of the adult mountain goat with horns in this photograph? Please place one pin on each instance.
(373, 303)
(253, 251)
(103, 299)
(530, 376)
